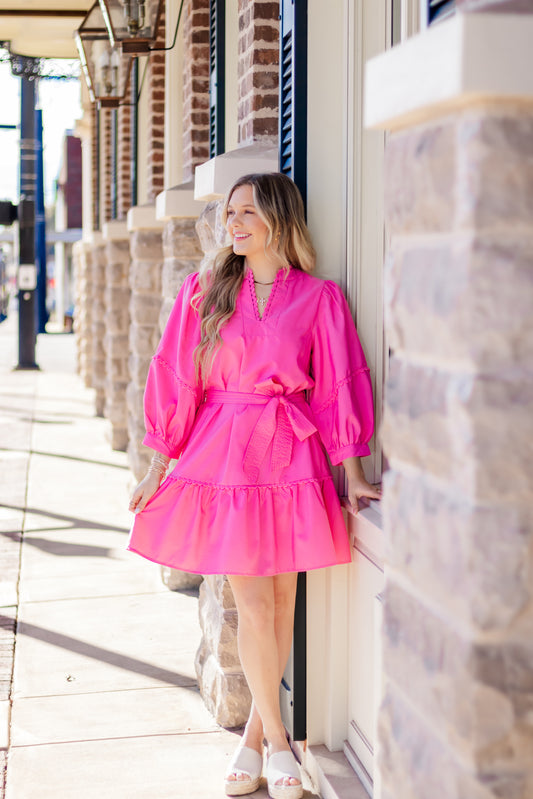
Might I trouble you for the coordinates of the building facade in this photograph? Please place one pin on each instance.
(408, 127)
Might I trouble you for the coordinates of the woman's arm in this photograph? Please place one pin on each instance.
(358, 486)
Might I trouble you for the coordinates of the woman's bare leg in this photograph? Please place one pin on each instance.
(266, 616)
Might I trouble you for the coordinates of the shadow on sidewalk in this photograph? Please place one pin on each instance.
(75, 521)
(65, 457)
(103, 655)
(60, 548)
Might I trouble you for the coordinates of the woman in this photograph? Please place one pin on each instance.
(258, 374)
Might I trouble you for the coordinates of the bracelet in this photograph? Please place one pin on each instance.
(159, 464)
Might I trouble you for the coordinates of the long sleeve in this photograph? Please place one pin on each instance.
(341, 398)
(173, 393)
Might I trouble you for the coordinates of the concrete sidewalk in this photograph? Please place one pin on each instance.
(98, 694)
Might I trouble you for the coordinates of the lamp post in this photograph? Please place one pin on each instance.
(132, 24)
(106, 70)
(27, 69)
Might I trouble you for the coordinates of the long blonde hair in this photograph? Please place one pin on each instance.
(279, 204)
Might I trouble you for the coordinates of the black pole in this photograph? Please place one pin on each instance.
(27, 272)
(40, 228)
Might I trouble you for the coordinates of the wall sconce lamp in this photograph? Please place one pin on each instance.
(132, 24)
(106, 71)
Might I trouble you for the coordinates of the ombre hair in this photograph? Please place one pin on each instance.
(279, 205)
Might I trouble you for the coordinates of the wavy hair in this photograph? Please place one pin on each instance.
(279, 205)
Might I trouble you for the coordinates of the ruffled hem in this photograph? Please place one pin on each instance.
(247, 530)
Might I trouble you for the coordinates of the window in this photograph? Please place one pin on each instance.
(293, 92)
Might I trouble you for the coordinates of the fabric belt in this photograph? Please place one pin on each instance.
(281, 419)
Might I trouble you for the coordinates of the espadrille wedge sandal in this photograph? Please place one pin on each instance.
(248, 762)
(280, 765)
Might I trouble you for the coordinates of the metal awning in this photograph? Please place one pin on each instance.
(42, 28)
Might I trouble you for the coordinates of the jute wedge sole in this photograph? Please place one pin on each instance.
(280, 765)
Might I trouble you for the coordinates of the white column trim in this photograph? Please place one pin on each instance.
(468, 59)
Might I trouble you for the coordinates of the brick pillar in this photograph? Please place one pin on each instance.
(258, 71)
(106, 165)
(116, 340)
(124, 145)
(97, 289)
(195, 85)
(458, 425)
(156, 117)
(146, 249)
(94, 171)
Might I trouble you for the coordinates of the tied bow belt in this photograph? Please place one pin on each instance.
(282, 418)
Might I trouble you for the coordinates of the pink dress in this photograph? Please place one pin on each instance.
(252, 492)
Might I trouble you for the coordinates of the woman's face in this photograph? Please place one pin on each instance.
(247, 230)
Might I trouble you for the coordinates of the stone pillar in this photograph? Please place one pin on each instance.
(81, 253)
(146, 249)
(458, 424)
(222, 683)
(182, 254)
(97, 289)
(117, 322)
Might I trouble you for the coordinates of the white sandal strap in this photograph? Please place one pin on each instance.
(280, 765)
(246, 761)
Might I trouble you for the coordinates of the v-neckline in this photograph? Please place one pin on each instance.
(266, 310)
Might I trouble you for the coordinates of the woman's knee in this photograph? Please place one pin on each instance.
(255, 604)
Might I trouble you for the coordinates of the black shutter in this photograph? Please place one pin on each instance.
(293, 92)
(440, 9)
(216, 76)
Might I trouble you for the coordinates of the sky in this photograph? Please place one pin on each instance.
(60, 103)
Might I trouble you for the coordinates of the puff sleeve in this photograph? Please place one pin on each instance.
(341, 398)
(173, 393)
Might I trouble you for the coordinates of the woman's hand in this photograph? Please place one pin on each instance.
(358, 486)
(144, 491)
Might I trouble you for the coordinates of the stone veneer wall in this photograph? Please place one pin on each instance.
(222, 682)
(258, 71)
(96, 293)
(146, 249)
(457, 721)
(82, 310)
(195, 85)
(182, 255)
(116, 340)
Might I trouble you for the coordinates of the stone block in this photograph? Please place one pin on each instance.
(416, 763)
(118, 438)
(468, 171)
(463, 299)
(138, 366)
(219, 628)
(173, 275)
(494, 180)
(458, 425)
(176, 580)
(146, 245)
(180, 239)
(143, 339)
(116, 346)
(145, 277)
(478, 692)
(473, 559)
(210, 228)
(144, 309)
(226, 696)
(134, 401)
